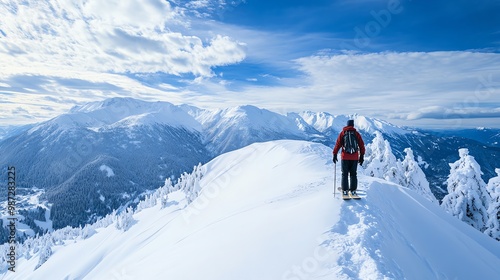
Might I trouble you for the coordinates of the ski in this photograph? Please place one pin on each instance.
(344, 197)
(349, 195)
(354, 196)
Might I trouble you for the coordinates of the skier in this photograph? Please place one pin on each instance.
(353, 150)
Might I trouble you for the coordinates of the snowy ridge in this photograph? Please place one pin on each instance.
(236, 127)
(123, 112)
(223, 129)
(323, 121)
(267, 212)
(250, 122)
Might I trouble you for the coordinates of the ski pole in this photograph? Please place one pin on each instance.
(334, 179)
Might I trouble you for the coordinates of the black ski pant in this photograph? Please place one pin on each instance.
(349, 169)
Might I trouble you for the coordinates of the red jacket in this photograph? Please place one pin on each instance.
(340, 144)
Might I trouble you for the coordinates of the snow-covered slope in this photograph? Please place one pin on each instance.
(233, 128)
(267, 212)
(324, 122)
(123, 112)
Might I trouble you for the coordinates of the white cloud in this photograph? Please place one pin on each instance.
(61, 90)
(58, 53)
(197, 4)
(439, 112)
(405, 81)
(107, 36)
(406, 88)
(143, 15)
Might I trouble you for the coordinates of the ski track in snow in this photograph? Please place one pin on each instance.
(357, 240)
(302, 190)
(354, 241)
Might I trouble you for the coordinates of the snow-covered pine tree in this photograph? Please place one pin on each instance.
(88, 231)
(45, 251)
(414, 176)
(467, 198)
(190, 183)
(380, 162)
(164, 192)
(158, 196)
(373, 157)
(493, 224)
(125, 219)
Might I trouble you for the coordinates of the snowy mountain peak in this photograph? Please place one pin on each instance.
(235, 127)
(323, 122)
(129, 112)
(123, 112)
(174, 118)
(253, 116)
(320, 120)
(110, 103)
(371, 125)
(248, 110)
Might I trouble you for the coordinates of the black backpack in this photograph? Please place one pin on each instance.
(350, 142)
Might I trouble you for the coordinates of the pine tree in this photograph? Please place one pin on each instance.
(164, 192)
(45, 251)
(381, 162)
(414, 176)
(493, 224)
(125, 219)
(373, 156)
(190, 183)
(467, 198)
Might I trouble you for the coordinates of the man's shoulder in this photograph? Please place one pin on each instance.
(351, 128)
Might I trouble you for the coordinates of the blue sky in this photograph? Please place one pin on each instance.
(415, 63)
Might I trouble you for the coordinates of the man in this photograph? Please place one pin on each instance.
(351, 155)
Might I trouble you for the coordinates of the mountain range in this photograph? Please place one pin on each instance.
(106, 155)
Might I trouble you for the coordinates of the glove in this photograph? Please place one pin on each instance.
(361, 159)
(335, 158)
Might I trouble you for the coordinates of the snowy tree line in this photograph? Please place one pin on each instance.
(469, 198)
(41, 246)
(472, 200)
(380, 162)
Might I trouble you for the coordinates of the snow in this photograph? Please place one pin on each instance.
(223, 130)
(23, 228)
(171, 117)
(493, 224)
(31, 200)
(467, 197)
(323, 121)
(107, 169)
(122, 112)
(232, 128)
(267, 211)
